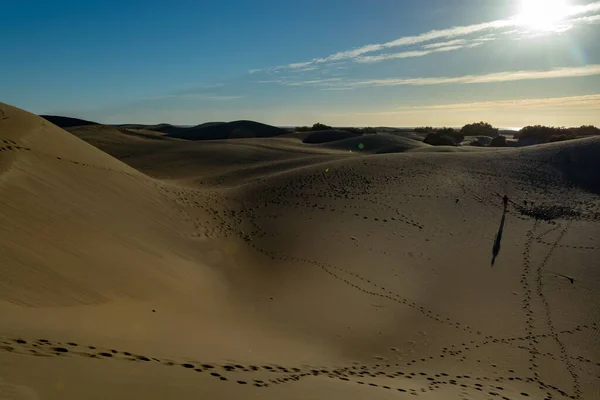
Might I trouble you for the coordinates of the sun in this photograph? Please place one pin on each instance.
(542, 15)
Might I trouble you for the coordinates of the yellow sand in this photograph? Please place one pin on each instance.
(275, 269)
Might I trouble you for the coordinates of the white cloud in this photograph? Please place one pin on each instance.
(197, 96)
(586, 101)
(455, 42)
(213, 97)
(192, 88)
(316, 81)
(418, 39)
(267, 81)
(410, 54)
(300, 65)
(450, 36)
(584, 9)
(390, 56)
(485, 38)
(338, 88)
(507, 76)
(592, 19)
(312, 82)
(307, 69)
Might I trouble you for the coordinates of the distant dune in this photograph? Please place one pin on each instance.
(377, 143)
(214, 130)
(66, 122)
(98, 134)
(152, 267)
(163, 128)
(227, 130)
(327, 136)
(205, 131)
(368, 143)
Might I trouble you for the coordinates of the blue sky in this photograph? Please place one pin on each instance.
(350, 62)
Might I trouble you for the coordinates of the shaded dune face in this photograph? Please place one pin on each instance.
(141, 264)
(66, 203)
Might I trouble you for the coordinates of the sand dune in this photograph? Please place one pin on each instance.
(271, 268)
(377, 144)
(55, 187)
(101, 135)
(226, 130)
(205, 131)
(317, 137)
(67, 122)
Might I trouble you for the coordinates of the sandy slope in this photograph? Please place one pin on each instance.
(270, 268)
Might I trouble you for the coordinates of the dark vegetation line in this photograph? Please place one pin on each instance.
(482, 134)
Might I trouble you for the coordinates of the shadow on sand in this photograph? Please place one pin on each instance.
(496, 248)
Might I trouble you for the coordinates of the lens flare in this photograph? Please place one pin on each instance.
(542, 15)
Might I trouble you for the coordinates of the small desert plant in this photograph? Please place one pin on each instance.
(316, 127)
(542, 134)
(424, 129)
(321, 127)
(479, 129)
(450, 132)
(498, 141)
(436, 139)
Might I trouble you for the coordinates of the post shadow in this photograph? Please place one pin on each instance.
(498, 240)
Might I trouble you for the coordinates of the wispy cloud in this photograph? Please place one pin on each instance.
(212, 86)
(507, 76)
(583, 9)
(455, 42)
(197, 96)
(300, 65)
(418, 39)
(415, 53)
(592, 19)
(214, 97)
(312, 82)
(485, 38)
(306, 69)
(192, 88)
(449, 38)
(338, 88)
(587, 101)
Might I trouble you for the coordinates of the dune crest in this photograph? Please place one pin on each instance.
(272, 268)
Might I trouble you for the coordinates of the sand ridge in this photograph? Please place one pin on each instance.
(321, 273)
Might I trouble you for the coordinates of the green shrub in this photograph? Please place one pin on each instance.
(360, 131)
(498, 141)
(436, 139)
(425, 129)
(543, 134)
(450, 132)
(321, 127)
(479, 129)
(559, 138)
(316, 127)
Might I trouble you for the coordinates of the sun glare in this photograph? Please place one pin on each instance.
(542, 15)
